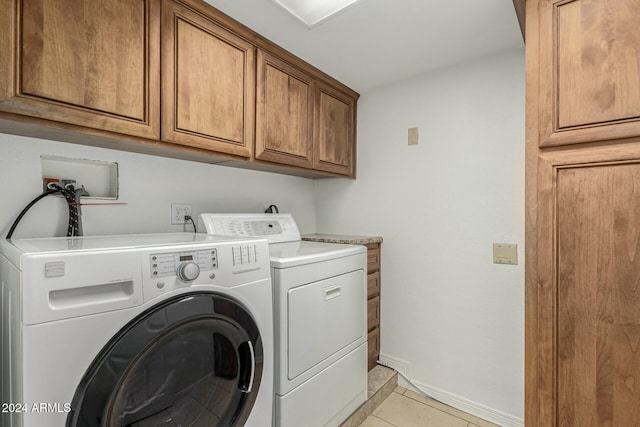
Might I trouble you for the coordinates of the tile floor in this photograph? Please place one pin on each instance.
(405, 408)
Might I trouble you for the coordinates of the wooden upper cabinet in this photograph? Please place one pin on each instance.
(208, 83)
(284, 113)
(93, 63)
(302, 120)
(589, 70)
(165, 77)
(335, 132)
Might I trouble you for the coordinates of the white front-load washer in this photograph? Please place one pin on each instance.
(320, 294)
(137, 330)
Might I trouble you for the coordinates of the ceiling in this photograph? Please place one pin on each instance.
(377, 42)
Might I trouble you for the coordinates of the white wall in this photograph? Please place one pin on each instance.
(447, 310)
(148, 185)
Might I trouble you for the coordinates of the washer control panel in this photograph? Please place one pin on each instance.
(244, 255)
(209, 263)
(170, 264)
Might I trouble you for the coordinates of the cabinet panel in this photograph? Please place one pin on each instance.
(373, 343)
(373, 313)
(334, 138)
(92, 63)
(590, 64)
(284, 113)
(593, 81)
(373, 302)
(373, 284)
(208, 84)
(598, 320)
(373, 258)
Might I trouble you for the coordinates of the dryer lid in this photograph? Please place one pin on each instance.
(292, 254)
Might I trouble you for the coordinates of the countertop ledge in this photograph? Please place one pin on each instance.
(342, 238)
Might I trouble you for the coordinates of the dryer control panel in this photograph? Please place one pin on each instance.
(276, 228)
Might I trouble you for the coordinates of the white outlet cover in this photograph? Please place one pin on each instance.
(178, 212)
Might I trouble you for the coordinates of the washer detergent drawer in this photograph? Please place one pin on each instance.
(324, 317)
(79, 284)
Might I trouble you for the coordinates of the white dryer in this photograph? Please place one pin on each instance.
(138, 330)
(320, 319)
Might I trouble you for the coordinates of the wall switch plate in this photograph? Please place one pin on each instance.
(413, 136)
(505, 253)
(178, 212)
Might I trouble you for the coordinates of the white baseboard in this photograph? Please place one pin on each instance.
(458, 402)
(471, 407)
(399, 365)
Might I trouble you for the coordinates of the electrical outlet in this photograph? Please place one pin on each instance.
(178, 212)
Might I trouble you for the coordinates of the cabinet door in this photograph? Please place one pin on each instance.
(589, 70)
(588, 291)
(284, 116)
(335, 132)
(93, 63)
(598, 299)
(208, 83)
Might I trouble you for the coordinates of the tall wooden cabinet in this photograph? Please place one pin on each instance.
(583, 213)
(93, 63)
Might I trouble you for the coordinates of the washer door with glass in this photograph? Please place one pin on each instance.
(194, 360)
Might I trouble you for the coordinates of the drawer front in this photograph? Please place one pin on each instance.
(374, 348)
(373, 313)
(331, 389)
(373, 258)
(373, 284)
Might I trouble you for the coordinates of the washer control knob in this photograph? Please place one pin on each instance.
(188, 271)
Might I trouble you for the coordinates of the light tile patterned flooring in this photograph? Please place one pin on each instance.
(405, 408)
